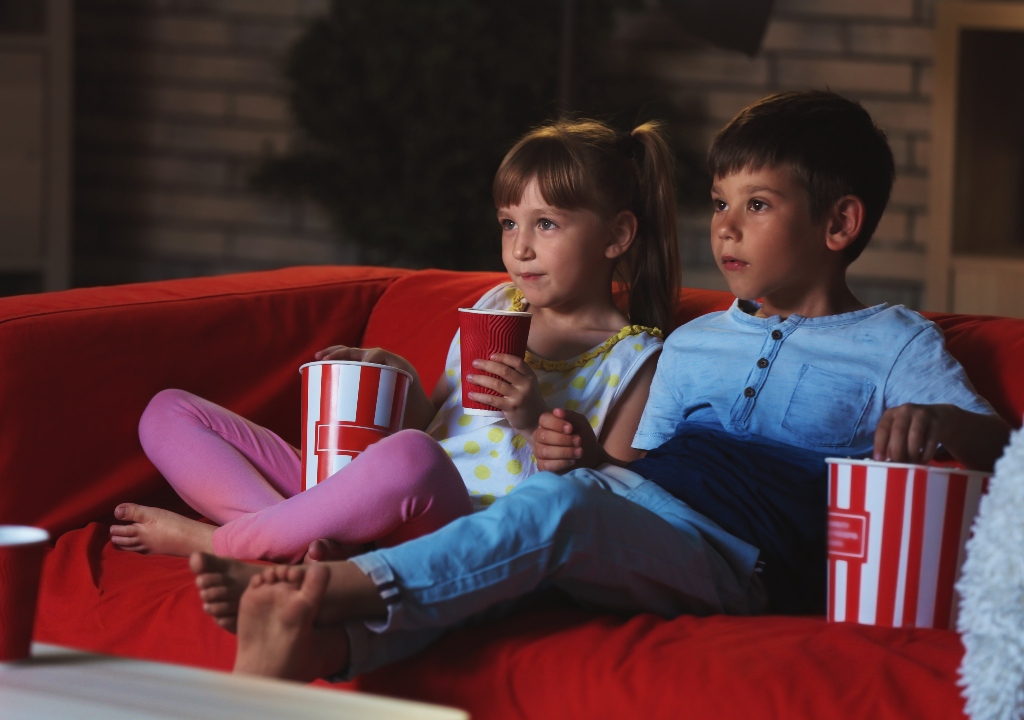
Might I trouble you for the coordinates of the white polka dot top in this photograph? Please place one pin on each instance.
(491, 458)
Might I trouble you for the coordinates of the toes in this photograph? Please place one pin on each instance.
(124, 531)
(200, 563)
(220, 609)
(131, 512)
(294, 574)
(218, 593)
(211, 580)
(314, 583)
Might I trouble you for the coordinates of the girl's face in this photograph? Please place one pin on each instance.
(560, 258)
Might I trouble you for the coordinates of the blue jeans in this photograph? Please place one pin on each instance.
(609, 538)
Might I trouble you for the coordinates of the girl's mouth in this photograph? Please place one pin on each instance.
(529, 276)
(731, 263)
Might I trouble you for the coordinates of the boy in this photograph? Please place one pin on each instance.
(744, 407)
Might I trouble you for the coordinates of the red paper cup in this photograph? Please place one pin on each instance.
(483, 333)
(21, 561)
(346, 407)
(896, 540)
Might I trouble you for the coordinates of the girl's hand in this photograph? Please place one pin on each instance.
(519, 398)
(419, 407)
(377, 356)
(566, 440)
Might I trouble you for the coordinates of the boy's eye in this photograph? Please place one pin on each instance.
(757, 205)
(717, 204)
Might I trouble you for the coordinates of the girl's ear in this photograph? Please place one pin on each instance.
(623, 232)
(845, 222)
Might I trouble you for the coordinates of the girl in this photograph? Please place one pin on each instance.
(579, 206)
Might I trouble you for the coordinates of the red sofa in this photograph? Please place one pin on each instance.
(78, 367)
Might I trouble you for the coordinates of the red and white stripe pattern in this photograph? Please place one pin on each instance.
(346, 407)
(896, 539)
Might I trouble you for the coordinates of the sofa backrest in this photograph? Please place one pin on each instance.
(416, 317)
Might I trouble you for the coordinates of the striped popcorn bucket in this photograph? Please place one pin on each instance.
(346, 407)
(896, 539)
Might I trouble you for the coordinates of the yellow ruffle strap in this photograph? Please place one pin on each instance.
(519, 305)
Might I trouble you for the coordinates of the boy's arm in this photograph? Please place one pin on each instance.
(912, 433)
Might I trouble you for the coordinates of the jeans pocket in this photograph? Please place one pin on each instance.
(826, 408)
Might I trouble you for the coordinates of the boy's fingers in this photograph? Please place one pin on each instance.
(882, 436)
(931, 445)
(917, 436)
(898, 437)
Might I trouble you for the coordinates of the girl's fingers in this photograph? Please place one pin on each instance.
(550, 421)
(554, 452)
(516, 363)
(496, 384)
(543, 436)
(495, 401)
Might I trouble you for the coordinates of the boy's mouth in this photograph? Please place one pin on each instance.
(731, 263)
(528, 276)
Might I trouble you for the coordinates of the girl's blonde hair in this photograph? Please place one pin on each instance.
(586, 164)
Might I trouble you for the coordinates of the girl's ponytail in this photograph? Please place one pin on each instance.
(651, 271)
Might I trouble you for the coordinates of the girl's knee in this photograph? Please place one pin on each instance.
(165, 405)
(411, 446)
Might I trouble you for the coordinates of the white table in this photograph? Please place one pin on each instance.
(57, 682)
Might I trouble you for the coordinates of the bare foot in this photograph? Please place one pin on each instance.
(325, 549)
(154, 530)
(221, 582)
(276, 637)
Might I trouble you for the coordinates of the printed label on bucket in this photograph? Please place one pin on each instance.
(896, 539)
(346, 407)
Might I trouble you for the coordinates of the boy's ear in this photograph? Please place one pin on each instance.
(845, 222)
(624, 227)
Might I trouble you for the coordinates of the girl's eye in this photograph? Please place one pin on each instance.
(507, 224)
(546, 224)
(757, 205)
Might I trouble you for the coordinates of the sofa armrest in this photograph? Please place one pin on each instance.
(77, 368)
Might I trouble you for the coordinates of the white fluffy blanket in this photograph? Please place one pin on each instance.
(992, 596)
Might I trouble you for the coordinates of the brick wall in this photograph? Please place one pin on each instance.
(876, 51)
(177, 99)
(176, 102)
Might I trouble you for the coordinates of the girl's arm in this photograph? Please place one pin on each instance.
(419, 409)
(565, 439)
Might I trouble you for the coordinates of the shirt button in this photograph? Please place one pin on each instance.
(776, 334)
(762, 363)
(749, 392)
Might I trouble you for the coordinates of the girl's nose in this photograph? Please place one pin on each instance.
(521, 248)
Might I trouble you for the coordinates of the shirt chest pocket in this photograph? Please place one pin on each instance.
(825, 408)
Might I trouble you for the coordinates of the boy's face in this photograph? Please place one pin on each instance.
(764, 240)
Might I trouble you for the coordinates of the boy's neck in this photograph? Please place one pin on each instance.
(833, 298)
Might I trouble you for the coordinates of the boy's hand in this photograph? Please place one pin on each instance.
(564, 440)
(911, 433)
(519, 398)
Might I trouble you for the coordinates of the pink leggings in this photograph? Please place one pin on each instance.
(247, 480)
